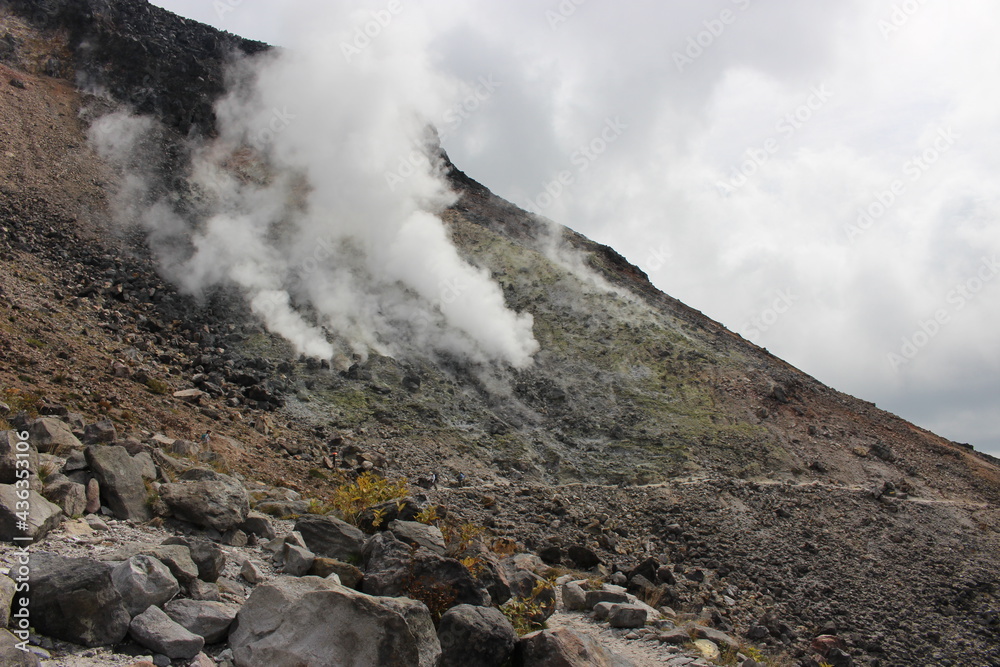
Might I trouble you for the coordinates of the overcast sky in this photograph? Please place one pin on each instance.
(823, 178)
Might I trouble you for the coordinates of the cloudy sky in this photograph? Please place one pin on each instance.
(823, 178)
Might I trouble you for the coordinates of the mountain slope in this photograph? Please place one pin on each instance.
(673, 434)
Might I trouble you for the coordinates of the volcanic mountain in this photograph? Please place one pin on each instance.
(642, 428)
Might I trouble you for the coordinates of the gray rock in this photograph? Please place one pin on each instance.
(471, 635)
(627, 616)
(75, 600)
(393, 568)
(207, 498)
(602, 609)
(717, 636)
(330, 537)
(10, 446)
(12, 656)
(573, 596)
(210, 620)
(283, 509)
(177, 558)
(348, 574)
(75, 462)
(68, 495)
(143, 582)
(251, 572)
(122, 487)
(102, 432)
(210, 559)
(204, 590)
(594, 597)
(52, 435)
(297, 560)
(565, 648)
(258, 524)
(93, 496)
(156, 631)
(419, 535)
(42, 517)
(582, 557)
(7, 590)
(146, 466)
(288, 623)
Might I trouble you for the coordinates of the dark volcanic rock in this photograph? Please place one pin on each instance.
(74, 599)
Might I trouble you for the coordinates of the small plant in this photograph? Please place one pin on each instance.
(317, 506)
(503, 547)
(316, 473)
(428, 515)
(45, 471)
(157, 386)
(460, 538)
(474, 565)
(523, 615)
(21, 401)
(378, 516)
(368, 489)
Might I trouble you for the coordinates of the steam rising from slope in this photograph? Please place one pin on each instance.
(292, 204)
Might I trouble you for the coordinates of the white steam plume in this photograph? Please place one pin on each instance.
(292, 204)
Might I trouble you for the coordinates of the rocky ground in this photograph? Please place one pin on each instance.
(775, 510)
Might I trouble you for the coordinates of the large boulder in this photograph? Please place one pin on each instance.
(75, 600)
(122, 487)
(42, 516)
(471, 635)
(144, 582)
(394, 568)
(53, 436)
(210, 559)
(158, 632)
(565, 648)
(329, 537)
(313, 622)
(205, 618)
(207, 498)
